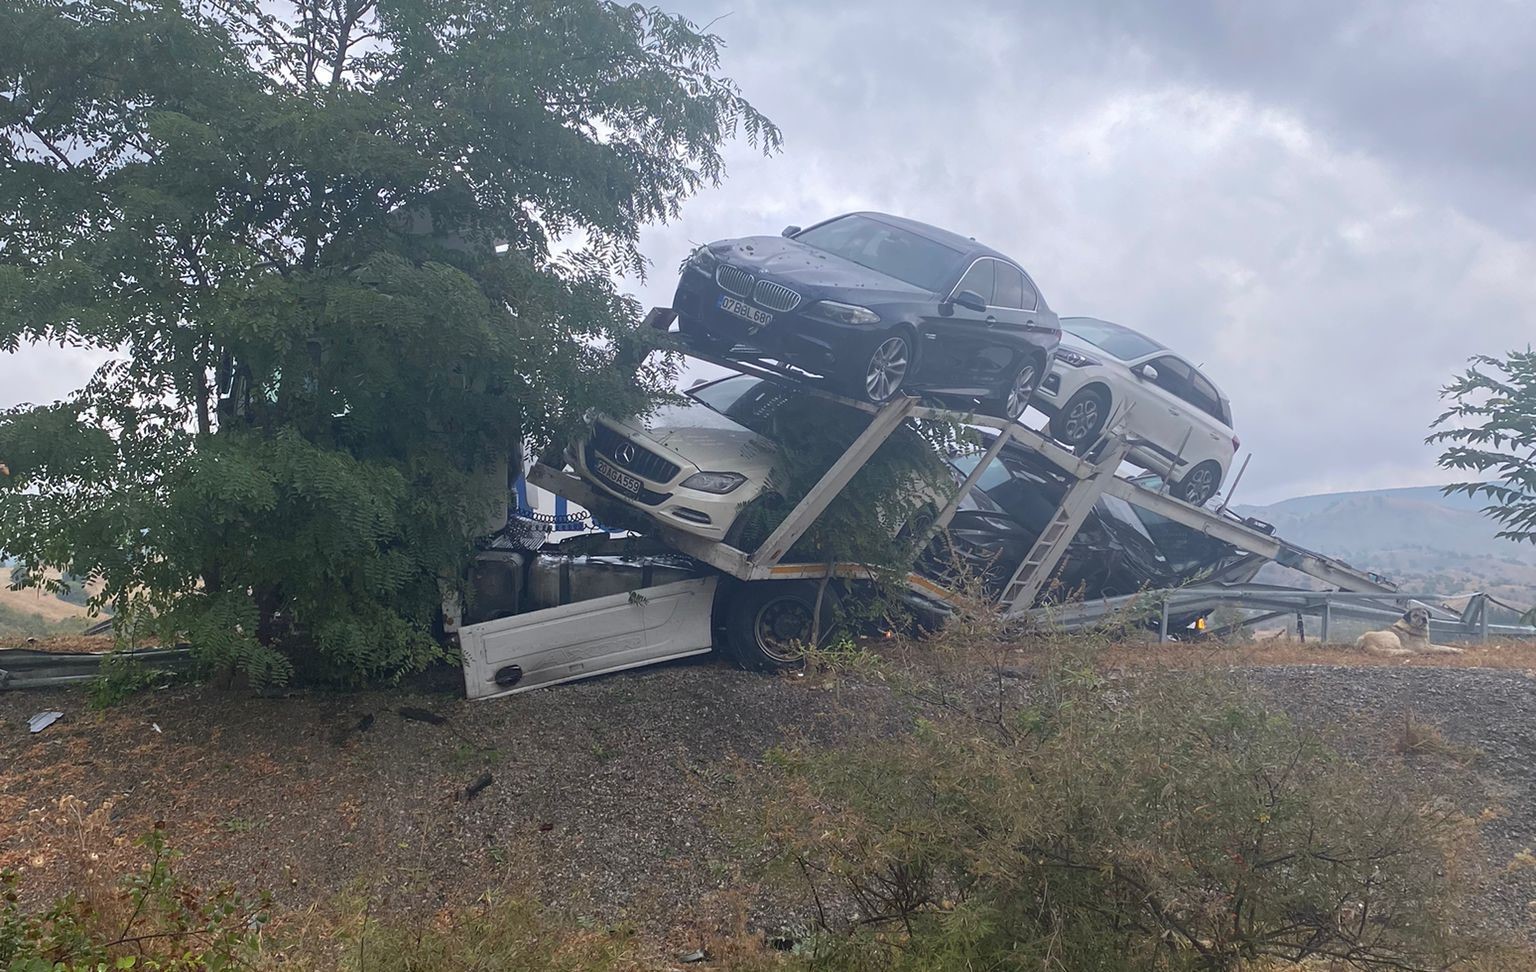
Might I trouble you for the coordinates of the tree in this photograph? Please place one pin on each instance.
(349, 255)
(1491, 428)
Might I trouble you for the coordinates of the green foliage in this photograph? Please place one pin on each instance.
(884, 509)
(156, 922)
(1491, 428)
(121, 677)
(329, 246)
(1162, 822)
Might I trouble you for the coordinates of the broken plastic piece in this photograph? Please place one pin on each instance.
(481, 782)
(43, 720)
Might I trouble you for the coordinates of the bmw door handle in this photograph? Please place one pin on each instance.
(991, 320)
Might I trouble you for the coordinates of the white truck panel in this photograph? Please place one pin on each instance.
(605, 634)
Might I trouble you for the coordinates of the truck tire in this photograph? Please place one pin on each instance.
(768, 623)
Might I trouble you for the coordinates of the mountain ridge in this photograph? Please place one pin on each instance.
(1421, 538)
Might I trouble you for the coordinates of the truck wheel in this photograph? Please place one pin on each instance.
(769, 623)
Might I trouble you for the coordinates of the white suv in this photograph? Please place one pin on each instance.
(1183, 421)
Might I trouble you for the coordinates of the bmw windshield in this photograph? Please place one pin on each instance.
(1119, 342)
(887, 249)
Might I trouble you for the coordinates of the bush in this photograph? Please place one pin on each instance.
(1163, 822)
(154, 921)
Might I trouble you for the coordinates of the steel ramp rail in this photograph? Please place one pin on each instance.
(1035, 570)
(1246, 538)
(1217, 524)
(719, 555)
(885, 422)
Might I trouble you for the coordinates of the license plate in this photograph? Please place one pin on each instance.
(620, 480)
(744, 311)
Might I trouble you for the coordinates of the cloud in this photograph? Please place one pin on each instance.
(1328, 204)
(1321, 273)
(45, 373)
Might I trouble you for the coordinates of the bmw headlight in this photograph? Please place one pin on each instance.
(714, 482)
(703, 261)
(1069, 357)
(831, 310)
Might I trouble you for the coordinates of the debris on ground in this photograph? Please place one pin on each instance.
(43, 720)
(481, 782)
(420, 715)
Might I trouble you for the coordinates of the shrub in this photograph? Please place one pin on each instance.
(154, 921)
(1158, 822)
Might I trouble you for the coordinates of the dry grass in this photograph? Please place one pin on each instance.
(68, 643)
(1415, 737)
(1517, 656)
(40, 603)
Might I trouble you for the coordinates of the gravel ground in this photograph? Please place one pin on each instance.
(1490, 715)
(613, 797)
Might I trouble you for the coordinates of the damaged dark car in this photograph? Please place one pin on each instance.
(880, 305)
(1120, 550)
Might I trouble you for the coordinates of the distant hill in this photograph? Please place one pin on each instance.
(1418, 537)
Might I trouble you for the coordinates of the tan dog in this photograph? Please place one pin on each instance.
(1409, 635)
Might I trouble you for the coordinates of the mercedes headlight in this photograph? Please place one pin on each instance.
(838, 313)
(714, 482)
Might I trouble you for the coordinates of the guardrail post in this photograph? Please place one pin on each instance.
(1162, 628)
(1327, 618)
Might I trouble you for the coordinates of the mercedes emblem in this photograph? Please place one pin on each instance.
(625, 453)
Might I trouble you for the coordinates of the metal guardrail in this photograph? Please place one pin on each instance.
(29, 668)
(1274, 602)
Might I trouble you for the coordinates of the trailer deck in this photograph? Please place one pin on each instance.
(653, 624)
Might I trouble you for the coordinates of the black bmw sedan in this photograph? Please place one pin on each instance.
(879, 304)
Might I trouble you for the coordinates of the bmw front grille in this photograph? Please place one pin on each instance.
(775, 296)
(734, 280)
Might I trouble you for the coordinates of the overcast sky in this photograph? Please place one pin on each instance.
(1329, 205)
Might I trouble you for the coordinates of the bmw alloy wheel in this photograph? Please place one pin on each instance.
(887, 369)
(1022, 391)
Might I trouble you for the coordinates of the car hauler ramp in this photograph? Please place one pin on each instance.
(1219, 525)
(669, 621)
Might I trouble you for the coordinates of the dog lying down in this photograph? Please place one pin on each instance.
(1409, 635)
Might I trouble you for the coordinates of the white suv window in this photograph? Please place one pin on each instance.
(1202, 394)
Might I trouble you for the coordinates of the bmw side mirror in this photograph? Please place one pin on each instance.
(1148, 372)
(790, 231)
(970, 300)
